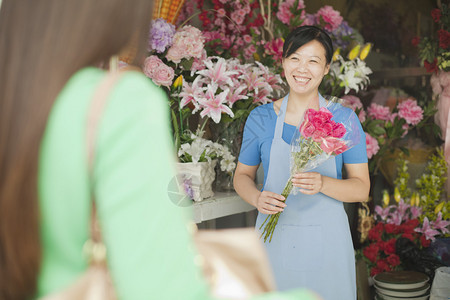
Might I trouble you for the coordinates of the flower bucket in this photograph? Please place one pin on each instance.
(197, 179)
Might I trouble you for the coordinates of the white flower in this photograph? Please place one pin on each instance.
(200, 149)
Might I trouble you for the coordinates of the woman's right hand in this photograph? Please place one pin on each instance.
(270, 203)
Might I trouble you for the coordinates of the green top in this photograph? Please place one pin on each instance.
(150, 254)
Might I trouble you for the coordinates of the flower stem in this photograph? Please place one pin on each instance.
(273, 219)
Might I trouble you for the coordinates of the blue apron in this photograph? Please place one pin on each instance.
(311, 245)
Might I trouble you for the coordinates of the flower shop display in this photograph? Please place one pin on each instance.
(254, 30)
(385, 128)
(202, 88)
(434, 53)
(317, 138)
(420, 216)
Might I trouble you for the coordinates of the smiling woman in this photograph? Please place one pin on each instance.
(314, 218)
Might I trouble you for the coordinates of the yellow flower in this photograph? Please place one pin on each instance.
(178, 82)
(365, 51)
(413, 199)
(439, 207)
(354, 52)
(417, 199)
(336, 53)
(256, 56)
(397, 196)
(386, 198)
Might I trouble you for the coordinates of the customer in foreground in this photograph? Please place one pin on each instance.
(48, 53)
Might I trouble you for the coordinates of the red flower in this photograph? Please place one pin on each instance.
(383, 265)
(408, 236)
(374, 234)
(390, 228)
(431, 67)
(412, 223)
(436, 14)
(389, 246)
(393, 260)
(371, 252)
(415, 41)
(425, 243)
(375, 270)
(444, 38)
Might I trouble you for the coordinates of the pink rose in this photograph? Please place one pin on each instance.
(338, 130)
(151, 64)
(160, 73)
(164, 76)
(332, 145)
(371, 145)
(410, 111)
(320, 133)
(307, 129)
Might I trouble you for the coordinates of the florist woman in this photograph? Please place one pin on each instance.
(311, 245)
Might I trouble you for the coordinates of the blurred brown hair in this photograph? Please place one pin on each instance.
(42, 44)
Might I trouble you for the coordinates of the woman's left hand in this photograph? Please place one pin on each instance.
(310, 183)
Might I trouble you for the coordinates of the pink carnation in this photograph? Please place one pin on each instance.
(379, 112)
(410, 111)
(160, 73)
(355, 103)
(187, 43)
(371, 145)
(331, 17)
(284, 13)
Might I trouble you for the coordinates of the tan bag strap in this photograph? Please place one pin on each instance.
(95, 111)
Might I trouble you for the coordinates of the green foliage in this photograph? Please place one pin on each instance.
(431, 186)
(401, 182)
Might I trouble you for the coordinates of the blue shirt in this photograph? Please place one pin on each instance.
(259, 132)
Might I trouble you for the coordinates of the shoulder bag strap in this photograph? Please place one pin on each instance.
(95, 111)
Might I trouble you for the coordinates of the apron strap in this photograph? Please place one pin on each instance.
(280, 119)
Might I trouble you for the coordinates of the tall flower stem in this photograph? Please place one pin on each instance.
(273, 219)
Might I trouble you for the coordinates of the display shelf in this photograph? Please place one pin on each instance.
(220, 205)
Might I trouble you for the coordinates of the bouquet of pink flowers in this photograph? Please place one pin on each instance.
(324, 133)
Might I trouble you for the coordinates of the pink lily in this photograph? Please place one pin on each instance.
(440, 224)
(235, 95)
(217, 72)
(254, 80)
(213, 105)
(191, 93)
(427, 230)
(383, 213)
(416, 211)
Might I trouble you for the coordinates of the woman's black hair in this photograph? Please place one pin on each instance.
(305, 34)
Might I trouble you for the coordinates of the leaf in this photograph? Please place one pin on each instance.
(187, 63)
